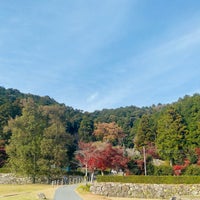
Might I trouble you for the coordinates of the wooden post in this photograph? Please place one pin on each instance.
(145, 164)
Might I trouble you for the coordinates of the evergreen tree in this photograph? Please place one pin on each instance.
(8, 110)
(190, 108)
(171, 137)
(85, 132)
(145, 132)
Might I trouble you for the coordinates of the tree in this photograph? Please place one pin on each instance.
(109, 132)
(171, 137)
(194, 135)
(55, 142)
(8, 110)
(118, 160)
(86, 129)
(134, 168)
(3, 156)
(24, 146)
(85, 154)
(145, 133)
(101, 156)
(189, 107)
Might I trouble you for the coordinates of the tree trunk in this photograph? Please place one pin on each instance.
(92, 176)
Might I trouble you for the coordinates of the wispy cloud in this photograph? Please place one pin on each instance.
(155, 70)
(99, 54)
(92, 97)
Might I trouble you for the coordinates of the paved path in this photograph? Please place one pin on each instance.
(67, 193)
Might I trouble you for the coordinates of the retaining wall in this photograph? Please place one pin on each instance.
(131, 190)
(9, 178)
(12, 179)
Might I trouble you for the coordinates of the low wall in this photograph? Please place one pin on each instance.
(132, 190)
(9, 178)
(12, 179)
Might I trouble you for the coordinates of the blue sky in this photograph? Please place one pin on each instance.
(95, 54)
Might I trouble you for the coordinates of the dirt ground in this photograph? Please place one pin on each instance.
(97, 197)
(89, 196)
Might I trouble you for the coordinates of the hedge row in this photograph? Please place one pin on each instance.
(5, 170)
(151, 179)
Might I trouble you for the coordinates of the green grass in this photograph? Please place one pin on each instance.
(25, 192)
(151, 179)
(84, 188)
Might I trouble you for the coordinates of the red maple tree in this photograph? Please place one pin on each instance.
(101, 156)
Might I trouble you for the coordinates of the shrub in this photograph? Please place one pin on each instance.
(150, 169)
(193, 159)
(177, 169)
(84, 188)
(193, 170)
(5, 170)
(163, 170)
(133, 168)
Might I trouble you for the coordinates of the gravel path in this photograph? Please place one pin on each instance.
(66, 193)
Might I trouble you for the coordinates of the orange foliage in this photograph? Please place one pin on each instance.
(109, 132)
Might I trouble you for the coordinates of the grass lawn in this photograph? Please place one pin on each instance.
(25, 192)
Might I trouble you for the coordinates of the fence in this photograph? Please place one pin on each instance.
(68, 180)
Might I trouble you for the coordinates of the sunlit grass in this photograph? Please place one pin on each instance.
(25, 192)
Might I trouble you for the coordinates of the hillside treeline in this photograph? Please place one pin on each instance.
(46, 134)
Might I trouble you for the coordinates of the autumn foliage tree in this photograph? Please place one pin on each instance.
(117, 159)
(85, 154)
(101, 156)
(109, 132)
(110, 157)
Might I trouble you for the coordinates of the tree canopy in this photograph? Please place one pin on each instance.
(46, 134)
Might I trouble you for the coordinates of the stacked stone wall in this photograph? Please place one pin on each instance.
(131, 190)
(12, 179)
(9, 178)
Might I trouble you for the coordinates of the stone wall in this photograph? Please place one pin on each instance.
(131, 190)
(12, 179)
(9, 178)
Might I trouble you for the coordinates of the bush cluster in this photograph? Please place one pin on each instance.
(163, 170)
(192, 170)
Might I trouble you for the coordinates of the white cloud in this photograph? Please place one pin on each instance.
(92, 97)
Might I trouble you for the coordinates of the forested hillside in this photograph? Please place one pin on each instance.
(45, 134)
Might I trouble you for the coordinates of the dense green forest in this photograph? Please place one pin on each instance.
(44, 134)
